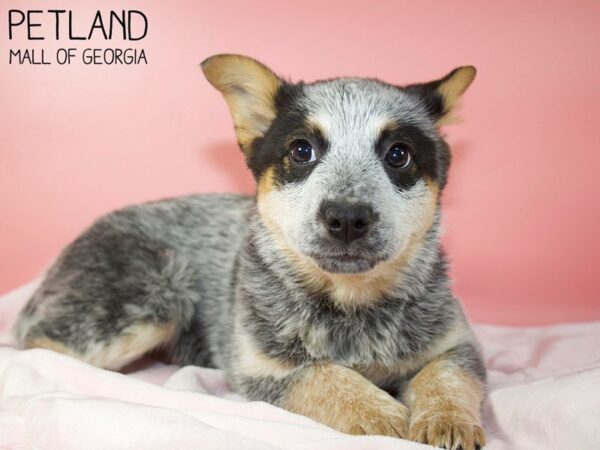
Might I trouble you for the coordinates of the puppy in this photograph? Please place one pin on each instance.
(326, 294)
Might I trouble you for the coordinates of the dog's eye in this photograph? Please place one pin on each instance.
(302, 152)
(398, 156)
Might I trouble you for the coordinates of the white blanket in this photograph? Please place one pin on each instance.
(544, 385)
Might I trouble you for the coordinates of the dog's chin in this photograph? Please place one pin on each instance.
(344, 264)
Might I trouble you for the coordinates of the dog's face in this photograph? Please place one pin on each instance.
(349, 171)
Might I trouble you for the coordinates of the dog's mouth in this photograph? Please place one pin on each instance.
(344, 262)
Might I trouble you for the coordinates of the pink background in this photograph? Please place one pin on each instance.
(521, 211)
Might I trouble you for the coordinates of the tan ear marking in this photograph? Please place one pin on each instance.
(249, 88)
(452, 87)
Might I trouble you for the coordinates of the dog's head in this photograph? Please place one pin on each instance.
(349, 171)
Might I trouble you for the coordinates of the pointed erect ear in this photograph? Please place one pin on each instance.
(249, 89)
(441, 96)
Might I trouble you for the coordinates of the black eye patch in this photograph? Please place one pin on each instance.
(289, 126)
(422, 149)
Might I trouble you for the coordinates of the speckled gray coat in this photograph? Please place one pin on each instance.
(268, 288)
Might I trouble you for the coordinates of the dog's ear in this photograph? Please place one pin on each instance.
(441, 96)
(249, 89)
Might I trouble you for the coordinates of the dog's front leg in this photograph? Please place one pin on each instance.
(445, 400)
(336, 396)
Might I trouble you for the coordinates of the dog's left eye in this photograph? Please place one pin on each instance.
(302, 152)
(398, 156)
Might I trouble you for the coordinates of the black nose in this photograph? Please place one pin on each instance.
(346, 221)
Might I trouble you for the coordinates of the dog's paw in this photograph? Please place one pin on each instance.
(344, 400)
(380, 416)
(447, 431)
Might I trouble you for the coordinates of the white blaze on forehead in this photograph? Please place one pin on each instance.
(352, 113)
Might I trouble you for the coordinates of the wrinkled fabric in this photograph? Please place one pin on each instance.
(544, 393)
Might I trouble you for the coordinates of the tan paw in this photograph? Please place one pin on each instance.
(344, 400)
(377, 416)
(447, 431)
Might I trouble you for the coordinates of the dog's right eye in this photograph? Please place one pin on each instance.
(302, 152)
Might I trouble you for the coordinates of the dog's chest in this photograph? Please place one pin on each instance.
(377, 353)
(352, 340)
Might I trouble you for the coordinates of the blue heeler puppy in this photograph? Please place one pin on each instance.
(326, 294)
